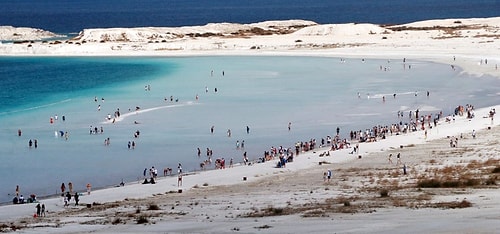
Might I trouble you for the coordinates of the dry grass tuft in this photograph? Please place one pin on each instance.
(153, 207)
(142, 220)
(496, 170)
(384, 193)
(452, 205)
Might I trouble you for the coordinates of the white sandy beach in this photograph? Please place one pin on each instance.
(296, 199)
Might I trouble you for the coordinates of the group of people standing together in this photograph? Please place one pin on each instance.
(68, 195)
(40, 210)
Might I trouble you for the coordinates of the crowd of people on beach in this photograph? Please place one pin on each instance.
(416, 121)
(20, 199)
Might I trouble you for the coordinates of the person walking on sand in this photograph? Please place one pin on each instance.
(390, 159)
(398, 156)
(68, 195)
(43, 210)
(77, 198)
(38, 210)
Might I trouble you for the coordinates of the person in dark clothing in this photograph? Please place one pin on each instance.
(38, 210)
(68, 196)
(77, 198)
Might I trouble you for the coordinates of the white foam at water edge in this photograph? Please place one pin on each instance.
(428, 108)
(140, 111)
(365, 114)
(404, 108)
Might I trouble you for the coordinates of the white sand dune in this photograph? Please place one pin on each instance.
(296, 199)
(9, 33)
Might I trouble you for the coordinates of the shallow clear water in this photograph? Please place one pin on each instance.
(315, 94)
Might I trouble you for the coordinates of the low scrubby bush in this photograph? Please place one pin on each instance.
(142, 220)
(496, 170)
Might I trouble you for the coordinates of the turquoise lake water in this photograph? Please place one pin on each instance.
(315, 94)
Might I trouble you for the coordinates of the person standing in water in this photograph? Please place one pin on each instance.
(179, 180)
(89, 187)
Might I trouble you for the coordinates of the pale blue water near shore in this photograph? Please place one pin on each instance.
(265, 93)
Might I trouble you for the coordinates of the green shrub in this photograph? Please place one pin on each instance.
(142, 220)
(153, 207)
(429, 183)
(496, 170)
(384, 193)
(472, 182)
(450, 184)
(491, 181)
(116, 221)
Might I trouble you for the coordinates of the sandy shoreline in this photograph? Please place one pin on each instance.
(295, 198)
